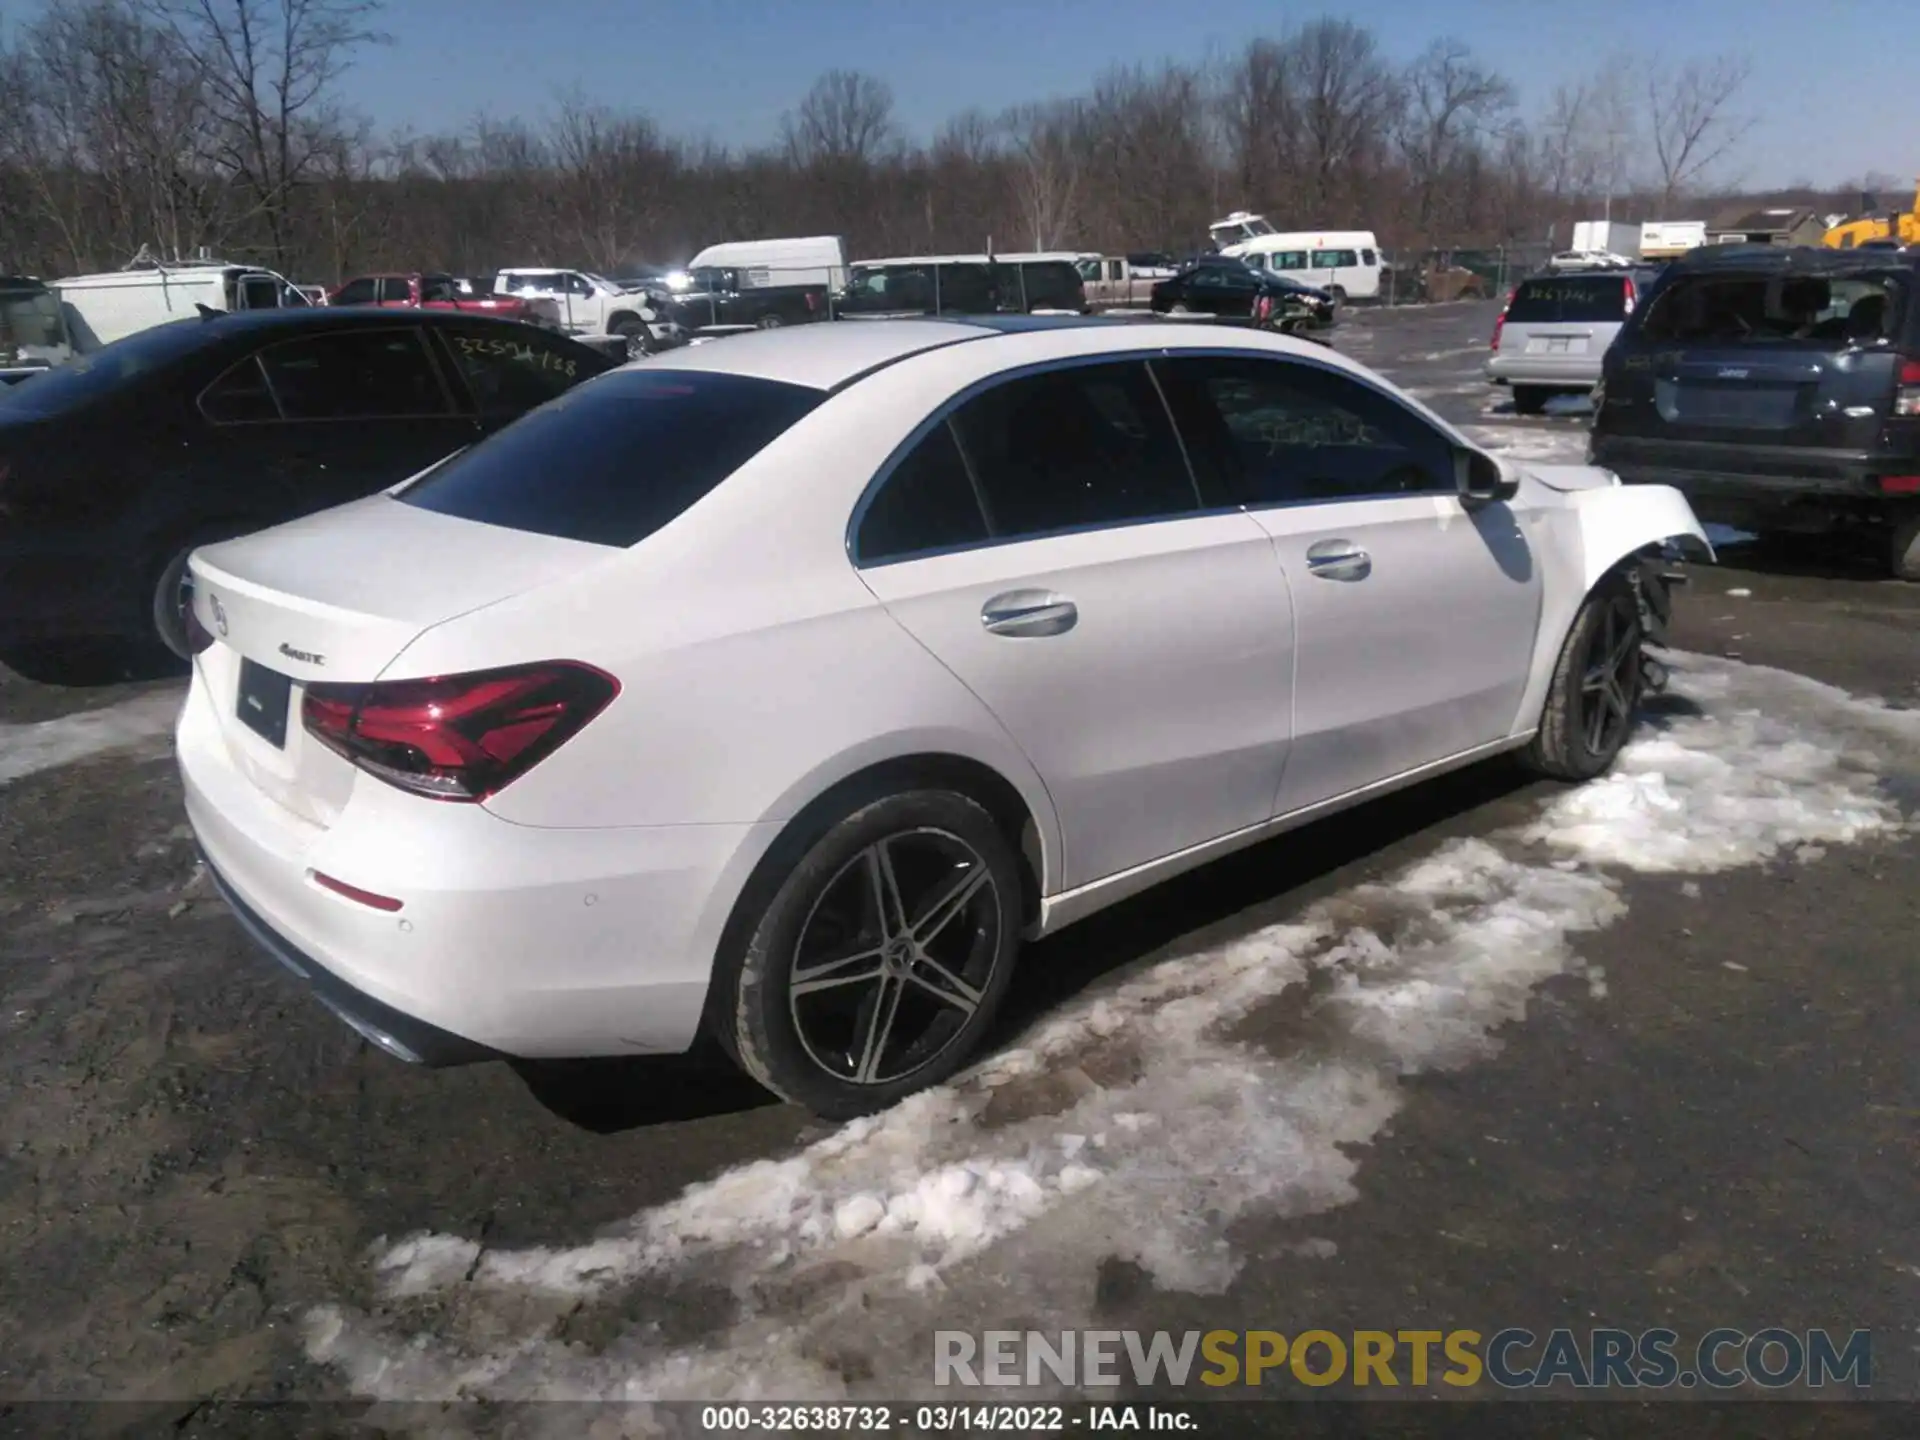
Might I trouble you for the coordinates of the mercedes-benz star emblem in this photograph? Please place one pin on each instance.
(219, 614)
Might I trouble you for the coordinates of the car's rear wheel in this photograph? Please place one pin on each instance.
(1179, 307)
(1530, 399)
(171, 596)
(878, 963)
(1904, 551)
(1595, 689)
(769, 321)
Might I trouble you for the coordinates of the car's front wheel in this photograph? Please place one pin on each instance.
(1530, 399)
(877, 965)
(769, 321)
(1596, 687)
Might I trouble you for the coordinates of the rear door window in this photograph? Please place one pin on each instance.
(509, 373)
(355, 375)
(1570, 300)
(240, 396)
(358, 292)
(1068, 449)
(611, 462)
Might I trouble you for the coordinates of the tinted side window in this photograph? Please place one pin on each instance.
(396, 290)
(1284, 432)
(240, 396)
(358, 292)
(1090, 445)
(355, 376)
(511, 374)
(611, 462)
(259, 292)
(927, 503)
(438, 288)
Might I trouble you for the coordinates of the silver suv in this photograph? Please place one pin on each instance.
(1555, 330)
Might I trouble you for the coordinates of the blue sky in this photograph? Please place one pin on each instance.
(1833, 80)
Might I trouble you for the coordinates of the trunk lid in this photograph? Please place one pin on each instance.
(337, 597)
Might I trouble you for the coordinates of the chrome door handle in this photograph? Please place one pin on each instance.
(1029, 613)
(1338, 560)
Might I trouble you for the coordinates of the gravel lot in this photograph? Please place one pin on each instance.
(1489, 1054)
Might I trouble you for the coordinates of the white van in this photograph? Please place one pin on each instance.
(1346, 263)
(101, 309)
(808, 260)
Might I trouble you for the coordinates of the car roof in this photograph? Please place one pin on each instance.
(832, 355)
(226, 324)
(1799, 259)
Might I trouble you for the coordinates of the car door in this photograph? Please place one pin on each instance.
(328, 418)
(1415, 614)
(1047, 544)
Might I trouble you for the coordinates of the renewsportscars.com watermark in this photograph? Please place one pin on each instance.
(1511, 1359)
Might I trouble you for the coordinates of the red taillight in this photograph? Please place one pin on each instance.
(1900, 484)
(1906, 399)
(355, 893)
(1263, 307)
(1499, 324)
(812, 302)
(1632, 295)
(458, 737)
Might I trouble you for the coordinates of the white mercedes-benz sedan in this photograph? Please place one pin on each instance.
(783, 686)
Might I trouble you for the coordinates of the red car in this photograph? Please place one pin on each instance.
(440, 292)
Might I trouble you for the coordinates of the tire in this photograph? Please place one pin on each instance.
(1903, 554)
(633, 330)
(1530, 399)
(768, 321)
(167, 590)
(1339, 294)
(1178, 308)
(927, 1005)
(1583, 728)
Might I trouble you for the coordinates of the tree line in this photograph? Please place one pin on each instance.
(179, 125)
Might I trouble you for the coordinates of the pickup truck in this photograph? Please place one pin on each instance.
(1123, 280)
(722, 299)
(441, 292)
(590, 304)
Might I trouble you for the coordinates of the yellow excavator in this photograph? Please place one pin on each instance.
(1904, 229)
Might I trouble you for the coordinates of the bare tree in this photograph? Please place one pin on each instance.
(268, 67)
(847, 117)
(1046, 171)
(1692, 119)
(1451, 98)
(1260, 119)
(1347, 96)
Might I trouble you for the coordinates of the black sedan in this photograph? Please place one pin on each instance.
(1234, 290)
(116, 466)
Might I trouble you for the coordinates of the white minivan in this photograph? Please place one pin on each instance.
(1344, 263)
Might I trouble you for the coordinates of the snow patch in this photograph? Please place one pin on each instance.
(25, 749)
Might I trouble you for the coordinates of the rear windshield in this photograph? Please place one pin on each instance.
(614, 460)
(1777, 309)
(1569, 300)
(110, 368)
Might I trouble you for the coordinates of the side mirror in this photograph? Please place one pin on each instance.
(1481, 480)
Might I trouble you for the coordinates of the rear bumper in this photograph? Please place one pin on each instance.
(511, 939)
(1576, 372)
(1739, 484)
(399, 1034)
